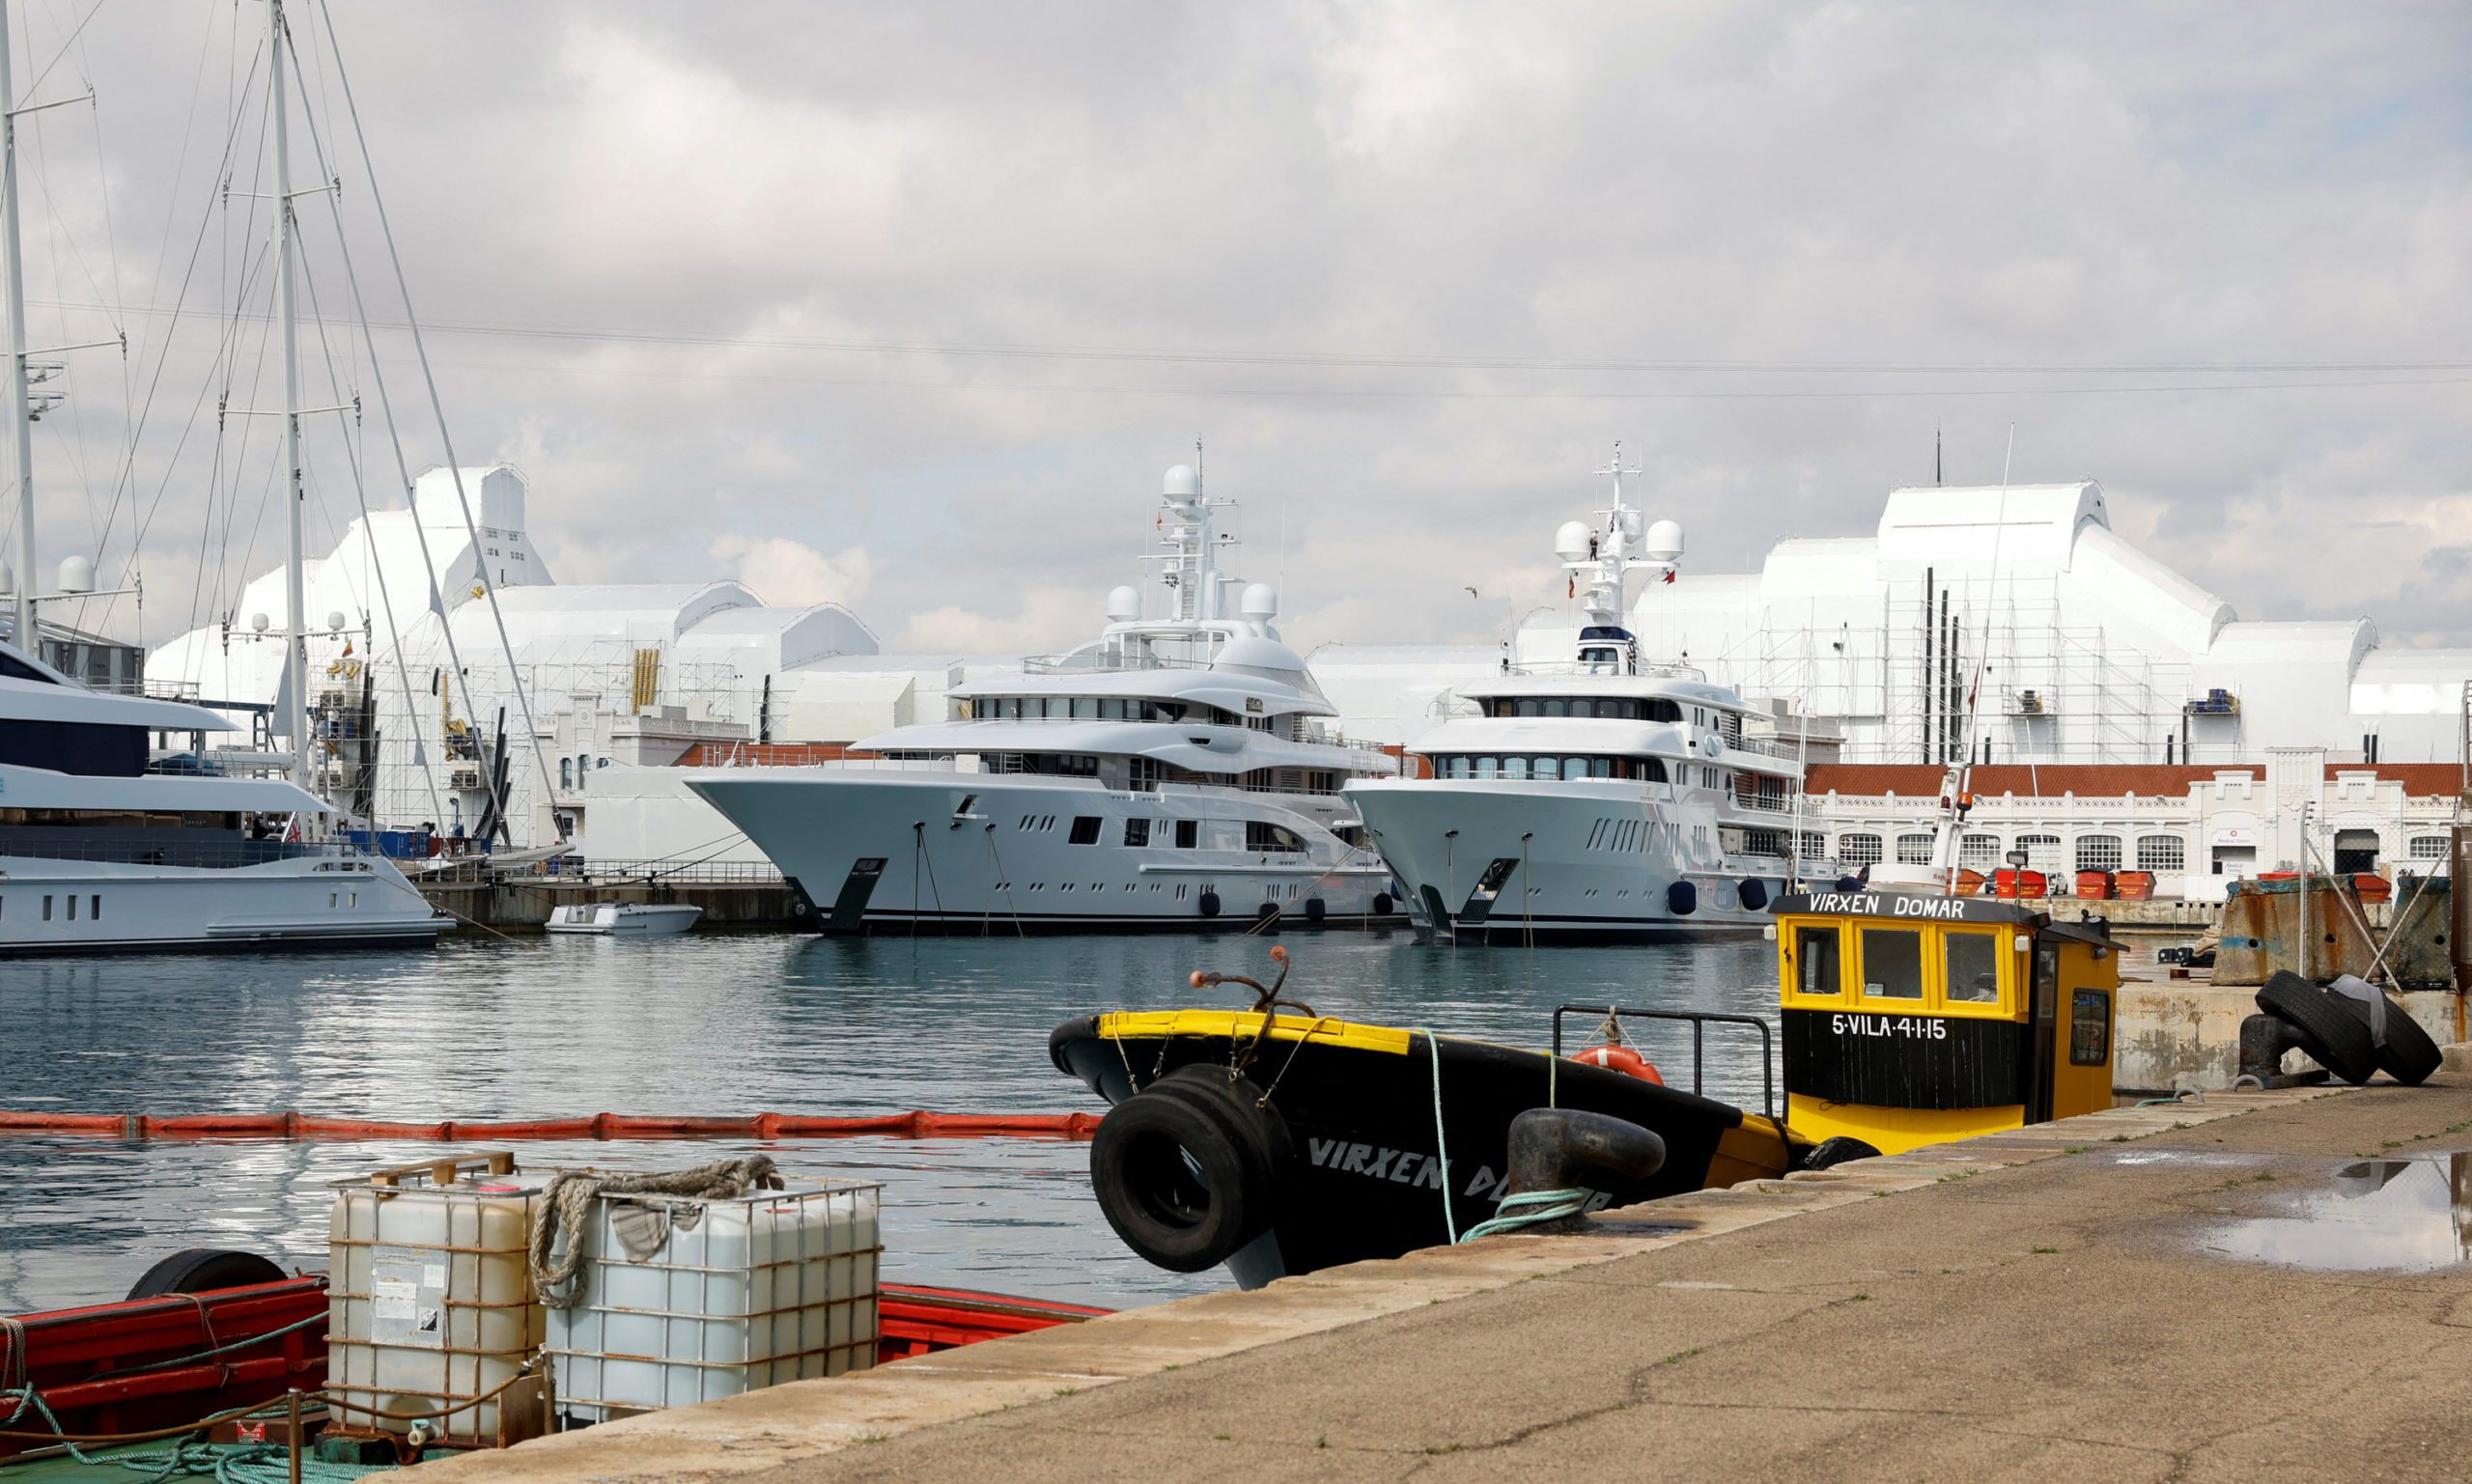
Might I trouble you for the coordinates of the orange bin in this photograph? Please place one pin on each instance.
(2009, 883)
(2369, 887)
(2094, 885)
(2136, 886)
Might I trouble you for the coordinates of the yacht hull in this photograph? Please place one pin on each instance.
(1489, 861)
(951, 852)
(51, 907)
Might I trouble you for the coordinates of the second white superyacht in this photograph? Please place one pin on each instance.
(1600, 797)
(1177, 772)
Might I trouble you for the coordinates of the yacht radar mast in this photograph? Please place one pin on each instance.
(1600, 561)
(1189, 541)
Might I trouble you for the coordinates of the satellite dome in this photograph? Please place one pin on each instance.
(1124, 604)
(1570, 541)
(334, 622)
(1183, 484)
(1665, 542)
(76, 574)
(1260, 601)
(257, 623)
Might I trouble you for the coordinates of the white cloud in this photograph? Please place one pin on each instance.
(789, 572)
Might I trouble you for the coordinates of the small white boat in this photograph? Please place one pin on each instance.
(623, 919)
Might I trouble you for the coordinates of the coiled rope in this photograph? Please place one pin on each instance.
(566, 1202)
(1529, 1207)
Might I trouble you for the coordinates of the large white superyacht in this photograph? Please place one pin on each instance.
(1600, 797)
(1176, 771)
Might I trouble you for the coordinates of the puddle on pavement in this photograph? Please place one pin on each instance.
(2395, 1214)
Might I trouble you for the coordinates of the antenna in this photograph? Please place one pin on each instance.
(1935, 456)
(1946, 852)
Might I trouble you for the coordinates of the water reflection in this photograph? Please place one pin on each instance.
(2409, 1214)
(706, 1024)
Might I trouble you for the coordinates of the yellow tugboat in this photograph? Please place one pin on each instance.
(1279, 1143)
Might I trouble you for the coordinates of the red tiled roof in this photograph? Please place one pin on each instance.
(744, 754)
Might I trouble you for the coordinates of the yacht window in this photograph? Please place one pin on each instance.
(1549, 769)
(1086, 829)
(1527, 706)
(1574, 767)
(1086, 707)
(72, 907)
(1583, 708)
(46, 908)
(1652, 769)
(1137, 832)
(95, 907)
(1515, 768)
(1659, 708)
(1554, 707)
(1487, 767)
(1974, 968)
(1260, 836)
(1187, 835)
(1892, 963)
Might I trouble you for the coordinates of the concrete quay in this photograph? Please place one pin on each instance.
(2040, 1305)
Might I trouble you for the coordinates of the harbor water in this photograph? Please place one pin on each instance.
(717, 1024)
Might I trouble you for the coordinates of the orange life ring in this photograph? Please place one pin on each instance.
(1620, 1058)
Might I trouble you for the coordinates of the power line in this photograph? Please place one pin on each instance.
(1371, 361)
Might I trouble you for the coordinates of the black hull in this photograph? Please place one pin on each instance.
(1363, 1176)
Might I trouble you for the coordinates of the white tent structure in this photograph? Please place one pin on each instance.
(2091, 651)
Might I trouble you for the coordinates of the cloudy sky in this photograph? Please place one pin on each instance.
(908, 306)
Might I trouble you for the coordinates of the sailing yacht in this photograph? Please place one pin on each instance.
(1174, 773)
(108, 841)
(1604, 796)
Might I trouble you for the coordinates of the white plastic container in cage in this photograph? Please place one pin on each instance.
(430, 1302)
(684, 1299)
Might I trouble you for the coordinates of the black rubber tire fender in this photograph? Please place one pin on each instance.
(1837, 1150)
(1236, 1106)
(1208, 904)
(1381, 904)
(2337, 1039)
(203, 1271)
(1170, 1181)
(2410, 1056)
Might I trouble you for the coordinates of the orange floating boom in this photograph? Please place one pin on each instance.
(917, 1124)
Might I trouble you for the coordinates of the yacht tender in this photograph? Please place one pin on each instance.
(1173, 773)
(1601, 798)
(98, 853)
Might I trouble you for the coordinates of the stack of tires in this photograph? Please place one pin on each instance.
(2334, 1029)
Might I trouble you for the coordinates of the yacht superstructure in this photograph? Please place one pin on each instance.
(1607, 796)
(1173, 773)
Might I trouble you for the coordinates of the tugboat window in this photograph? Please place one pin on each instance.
(1974, 968)
(1892, 963)
(1815, 968)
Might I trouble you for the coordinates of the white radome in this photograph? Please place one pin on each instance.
(1665, 542)
(1570, 541)
(1124, 604)
(1260, 601)
(1183, 484)
(76, 574)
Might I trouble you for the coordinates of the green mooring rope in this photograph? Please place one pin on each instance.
(1529, 1207)
(226, 1463)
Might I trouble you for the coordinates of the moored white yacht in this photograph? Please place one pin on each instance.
(1174, 773)
(98, 853)
(1606, 797)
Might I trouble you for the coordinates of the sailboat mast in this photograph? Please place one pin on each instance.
(29, 638)
(296, 666)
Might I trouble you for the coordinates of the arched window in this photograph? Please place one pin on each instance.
(1979, 852)
(1914, 850)
(2042, 852)
(2098, 853)
(2161, 853)
(2428, 847)
(1862, 850)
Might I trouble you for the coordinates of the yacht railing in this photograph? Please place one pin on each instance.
(1653, 669)
(720, 873)
(1104, 664)
(222, 855)
(1769, 746)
